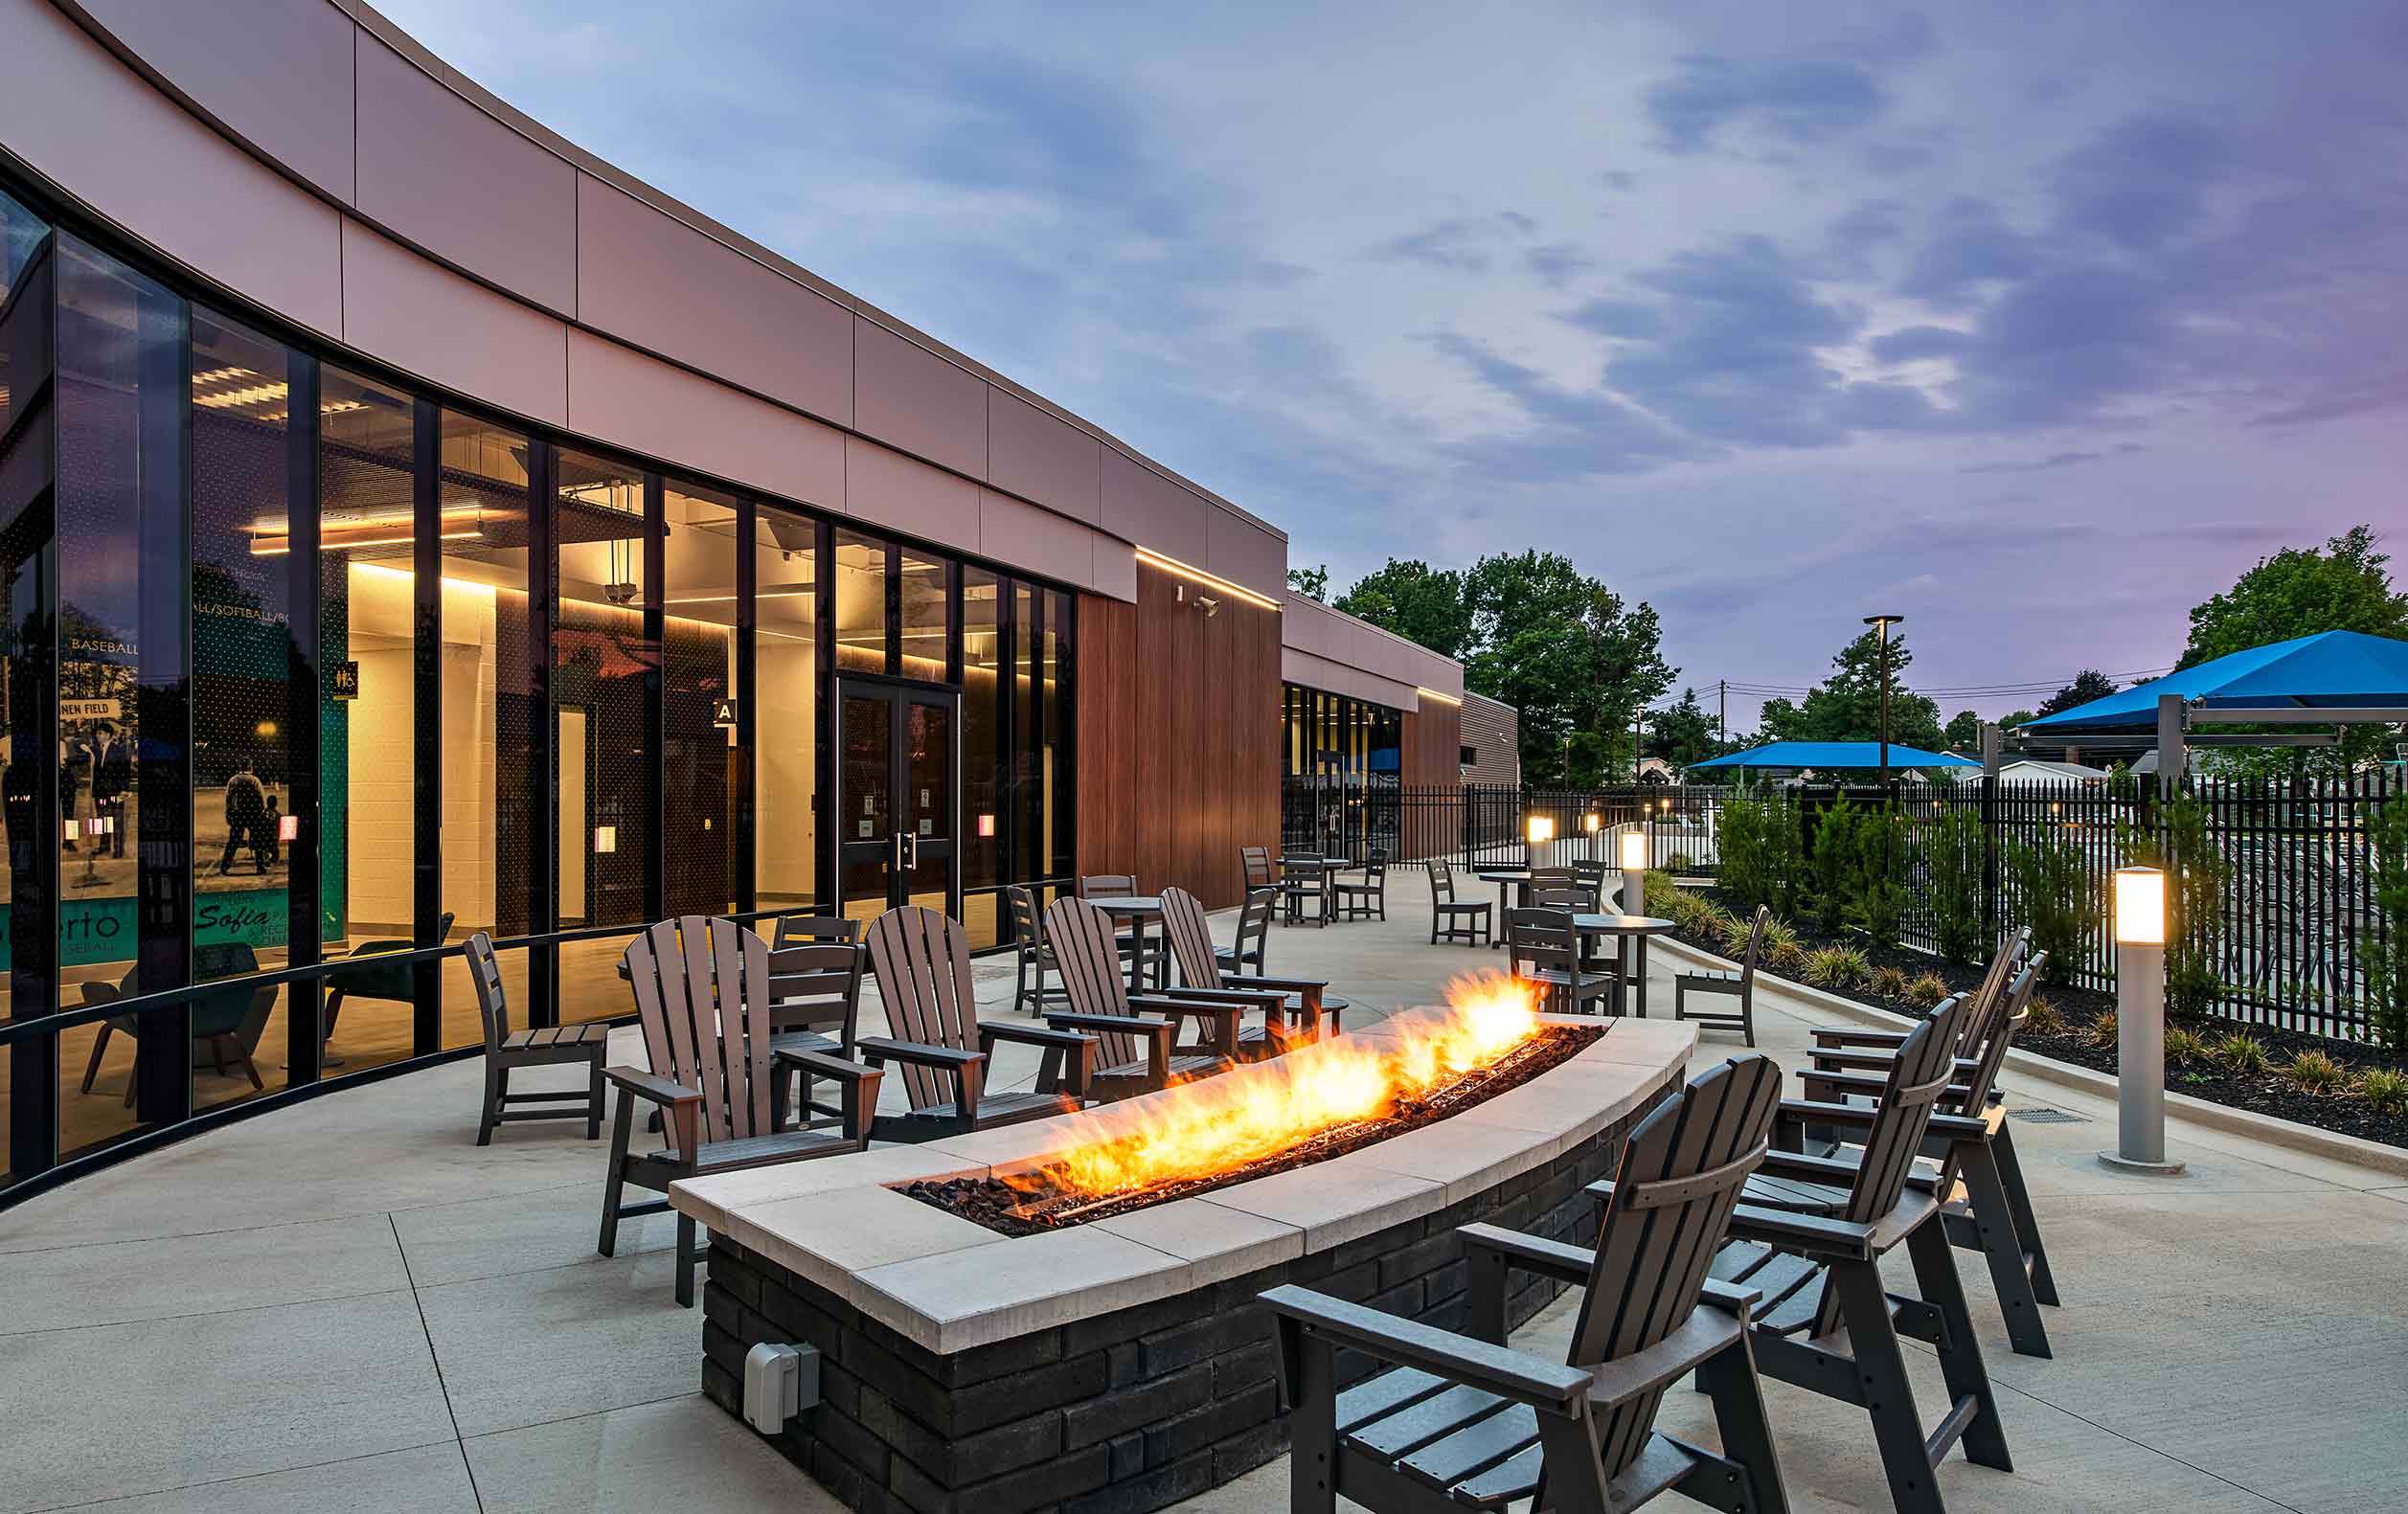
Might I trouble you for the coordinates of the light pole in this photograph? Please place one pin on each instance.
(2140, 1025)
(1885, 621)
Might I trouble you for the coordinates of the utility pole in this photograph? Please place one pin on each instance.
(1884, 623)
(1722, 711)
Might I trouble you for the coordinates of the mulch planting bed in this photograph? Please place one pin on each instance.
(2270, 1092)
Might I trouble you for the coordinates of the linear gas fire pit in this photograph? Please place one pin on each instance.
(1114, 1358)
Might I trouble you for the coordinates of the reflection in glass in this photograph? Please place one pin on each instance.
(368, 710)
(921, 586)
(25, 641)
(786, 727)
(982, 838)
(861, 640)
(698, 700)
(865, 781)
(600, 662)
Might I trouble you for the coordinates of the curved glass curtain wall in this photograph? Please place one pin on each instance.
(302, 666)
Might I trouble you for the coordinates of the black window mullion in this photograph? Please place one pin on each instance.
(655, 694)
(305, 1040)
(824, 756)
(953, 623)
(742, 804)
(1007, 728)
(893, 609)
(543, 806)
(426, 815)
(162, 727)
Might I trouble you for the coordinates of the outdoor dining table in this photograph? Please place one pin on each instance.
(1631, 947)
(1516, 878)
(1146, 910)
(1330, 868)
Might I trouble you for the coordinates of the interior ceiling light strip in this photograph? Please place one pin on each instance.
(1173, 565)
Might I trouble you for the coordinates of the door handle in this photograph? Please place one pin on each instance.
(906, 851)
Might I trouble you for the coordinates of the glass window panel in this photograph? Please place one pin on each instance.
(861, 643)
(121, 462)
(25, 478)
(601, 664)
(924, 592)
(24, 321)
(242, 689)
(1028, 802)
(493, 794)
(785, 721)
(368, 712)
(982, 753)
(1058, 810)
(702, 761)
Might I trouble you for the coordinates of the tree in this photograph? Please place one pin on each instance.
(1567, 652)
(2088, 684)
(1417, 602)
(1846, 706)
(1963, 733)
(1313, 583)
(2298, 592)
(1682, 734)
(2020, 717)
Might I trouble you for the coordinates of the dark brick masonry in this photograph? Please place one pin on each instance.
(1118, 1415)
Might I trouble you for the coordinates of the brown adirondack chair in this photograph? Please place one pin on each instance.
(921, 959)
(702, 990)
(1137, 1033)
(1984, 1204)
(1740, 985)
(1465, 1421)
(1294, 1010)
(1825, 1324)
(549, 1046)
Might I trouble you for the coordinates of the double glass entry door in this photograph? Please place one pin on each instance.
(897, 808)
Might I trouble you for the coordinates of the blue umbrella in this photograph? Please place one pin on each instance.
(1834, 753)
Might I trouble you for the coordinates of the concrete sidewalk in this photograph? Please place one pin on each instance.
(348, 1304)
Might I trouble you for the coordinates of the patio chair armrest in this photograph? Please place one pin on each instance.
(1823, 1087)
(989, 1033)
(1856, 1035)
(1310, 988)
(1729, 1297)
(1814, 1112)
(1812, 1169)
(1531, 1380)
(819, 1064)
(1954, 1128)
(1706, 1334)
(1243, 998)
(1222, 1014)
(1810, 1234)
(1087, 1026)
(652, 1086)
(1558, 1260)
(877, 1048)
(1836, 1060)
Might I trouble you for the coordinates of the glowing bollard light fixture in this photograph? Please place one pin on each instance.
(1592, 823)
(1632, 852)
(1538, 830)
(2140, 1019)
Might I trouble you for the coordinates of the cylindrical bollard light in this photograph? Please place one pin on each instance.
(1632, 846)
(2140, 1021)
(1538, 830)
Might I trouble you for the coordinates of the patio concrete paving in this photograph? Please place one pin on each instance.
(348, 1304)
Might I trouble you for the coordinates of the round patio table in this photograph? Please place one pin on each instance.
(1630, 948)
(1146, 910)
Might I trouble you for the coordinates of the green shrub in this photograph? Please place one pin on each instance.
(2384, 952)
(1835, 866)
(1762, 851)
(2184, 1046)
(2045, 1018)
(1888, 982)
(2242, 1055)
(1952, 872)
(2312, 1071)
(2057, 897)
(2385, 1090)
(1783, 952)
(1679, 861)
(1837, 967)
(2104, 1032)
(1735, 935)
(1879, 904)
(2193, 906)
(1927, 991)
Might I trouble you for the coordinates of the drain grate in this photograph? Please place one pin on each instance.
(2044, 1116)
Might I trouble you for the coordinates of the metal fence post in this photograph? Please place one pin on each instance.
(1993, 757)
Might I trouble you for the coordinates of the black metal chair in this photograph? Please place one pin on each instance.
(1304, 881)
(1543, 947)
(506, 1051)
(1477, 918)
(1740, 985)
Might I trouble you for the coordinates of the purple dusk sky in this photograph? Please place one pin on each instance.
(2036, 324)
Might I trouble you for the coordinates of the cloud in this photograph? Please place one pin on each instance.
(1457, 244)
(2142, 182)
(1556, 263)
(1971, 245)
(1798, 102)
(2056, 459)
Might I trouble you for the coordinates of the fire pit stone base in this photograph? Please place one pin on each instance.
(1126, 1410)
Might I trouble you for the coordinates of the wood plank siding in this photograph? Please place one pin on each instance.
(1178, 737)
(1433, 744)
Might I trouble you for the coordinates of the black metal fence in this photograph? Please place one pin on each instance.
(2287, 944)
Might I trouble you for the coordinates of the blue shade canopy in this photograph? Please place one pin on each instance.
(2331, 669)
(1836, 753)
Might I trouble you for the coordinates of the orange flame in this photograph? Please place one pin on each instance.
(1264, 1108)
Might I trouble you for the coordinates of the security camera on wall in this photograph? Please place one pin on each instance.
(1212, 606)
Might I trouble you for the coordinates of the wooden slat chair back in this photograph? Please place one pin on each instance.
(1107, 886)
(1293, 1009)
(1083, 944)
(802, 930)
(1909, 1094)
(1256, 863)
(817, 987)
(923, 963)
(1989, 998)
(1591, 877)
(485, 977)
(2015, 1008)
(702, 993)
(1191, 935)
(1249, 950)
(1680, 1176)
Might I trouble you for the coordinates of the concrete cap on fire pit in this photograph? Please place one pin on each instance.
(951, 1284)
